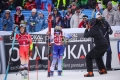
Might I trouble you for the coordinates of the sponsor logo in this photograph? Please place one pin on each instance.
(117, 34)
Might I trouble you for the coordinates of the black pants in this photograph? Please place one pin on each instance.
(109, 57)
(96, 53)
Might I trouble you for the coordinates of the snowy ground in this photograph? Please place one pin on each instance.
(67, 75)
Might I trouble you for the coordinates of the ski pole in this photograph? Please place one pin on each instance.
(9, 62)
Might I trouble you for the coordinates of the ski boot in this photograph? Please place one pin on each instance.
(26, 74)
(51, 73)
(59, 73)
(22, 74)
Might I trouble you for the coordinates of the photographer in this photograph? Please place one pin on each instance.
(101, 45)
(83, 22)
(106, 30)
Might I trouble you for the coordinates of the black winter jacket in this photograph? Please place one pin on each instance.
(96, 34)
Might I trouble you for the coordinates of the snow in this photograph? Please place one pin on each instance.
(67, 75)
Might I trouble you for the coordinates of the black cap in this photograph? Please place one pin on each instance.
(92, 21)
(55, 9)
(85, 16)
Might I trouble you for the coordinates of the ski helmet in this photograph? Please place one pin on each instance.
(23, 25)
(57, 29)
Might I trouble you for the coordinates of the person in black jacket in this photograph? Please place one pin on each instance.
(99, 49)
(106, 30)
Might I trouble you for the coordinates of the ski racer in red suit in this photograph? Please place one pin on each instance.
(25, 49)
(59, 40)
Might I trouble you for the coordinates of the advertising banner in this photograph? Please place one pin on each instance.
(74, 54)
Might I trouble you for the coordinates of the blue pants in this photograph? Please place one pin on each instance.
(58, 50)
(57, 56)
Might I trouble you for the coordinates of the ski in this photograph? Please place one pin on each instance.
(48, 36)
(9, 62)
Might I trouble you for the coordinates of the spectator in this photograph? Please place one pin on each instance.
(106, 30)
(68, 16)
(61, 4)
(30, 5)
(73, 7)
(11, 5)
(18, 17)
(56, 18)
(84, 22)
(76, 18)
(100, 4)
(32, 20)
(7, 21)
(92, 4)
(2, 6)
(40, 22)
(109, 14)
(115, 4)
(117, 16)
(105, 2)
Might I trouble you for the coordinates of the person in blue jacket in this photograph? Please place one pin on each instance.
(7, 21)
(40, 22)
(32, 20)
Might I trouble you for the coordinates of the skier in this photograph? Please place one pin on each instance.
(58, 48)
(25, 49)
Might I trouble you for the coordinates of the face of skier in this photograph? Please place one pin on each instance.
(22, 29)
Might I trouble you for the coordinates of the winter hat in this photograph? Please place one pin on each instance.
(55, 9)
(40, 12)
(7, 11)
(98, 14)
(73, 3)
(109, 3)
(34, 10)
(19, 8)
(92, 21)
